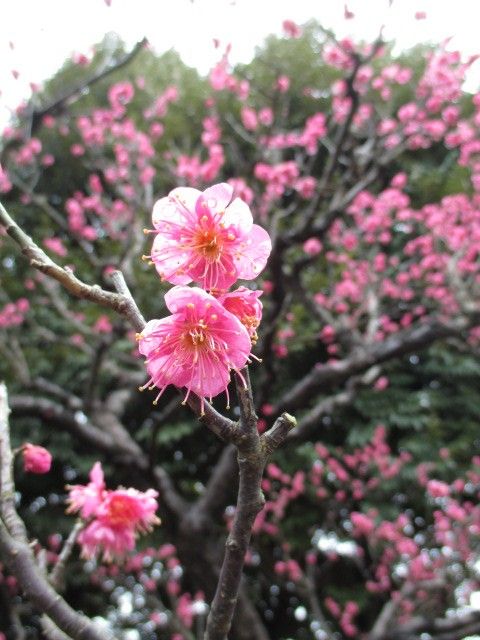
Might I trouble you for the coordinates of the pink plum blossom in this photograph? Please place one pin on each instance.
(113, 517)
(207, 238)
(56, 246)
(291, 29)
(246, 306)
(119, 517)
(196, 346)
(312, 246)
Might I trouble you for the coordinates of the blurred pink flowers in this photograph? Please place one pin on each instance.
(207, 238)
(114, 517)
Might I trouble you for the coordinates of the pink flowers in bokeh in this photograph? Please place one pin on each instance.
(113, 518)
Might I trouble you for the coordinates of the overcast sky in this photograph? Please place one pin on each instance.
(37, 35)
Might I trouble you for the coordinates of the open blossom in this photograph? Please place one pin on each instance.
(36, 459)
(207, 238)
(122, 514)
(246, 306)
(114, 517)
(195, 347)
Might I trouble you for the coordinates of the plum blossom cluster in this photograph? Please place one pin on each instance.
(192, 168)
(209, 239)
(418, 550)
(13, 313)
(157, 573)
(113, 518)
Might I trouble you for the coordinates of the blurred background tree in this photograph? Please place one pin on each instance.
(316, 135)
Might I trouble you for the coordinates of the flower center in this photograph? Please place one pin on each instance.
(121, 511)
(196, 336)
(209, 244)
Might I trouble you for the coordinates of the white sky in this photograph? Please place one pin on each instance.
(45, 32)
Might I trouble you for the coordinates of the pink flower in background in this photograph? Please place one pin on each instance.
(122, 514)
(283, 83)
(5, 184)
(196, 346)
(56, 245)
(291, 29)
(208, 238)
(249, 118)
(114, 518)
(36, 459)
(246, 306)
(312, 246)
(103, 325)
(98, 538)
(381, 383)
(129, 507)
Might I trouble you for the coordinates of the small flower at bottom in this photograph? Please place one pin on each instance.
(113, 518)
(36, 459)
(195, 347)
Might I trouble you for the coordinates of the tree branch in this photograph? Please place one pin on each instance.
(119, 303)
(401, 343)
(60, 103)
(19, 557)
(252, 454)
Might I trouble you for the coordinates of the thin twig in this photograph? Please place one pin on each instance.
(57, 573)
(120, 303)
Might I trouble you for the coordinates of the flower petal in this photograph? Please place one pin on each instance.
(238, 214)
(252, 254)
(218, 196)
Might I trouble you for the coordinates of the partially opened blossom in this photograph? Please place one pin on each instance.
(246, 306)
(195, 347)
(36, 459)
(118, 519)
(207, 238)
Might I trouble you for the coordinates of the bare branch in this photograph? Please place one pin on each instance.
(8, 512)
(73, 94)
(20, 560)
(277, 435)
(401, 343)
(57, 573)
(39, 259)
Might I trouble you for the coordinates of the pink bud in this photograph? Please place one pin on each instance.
(36, 459)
